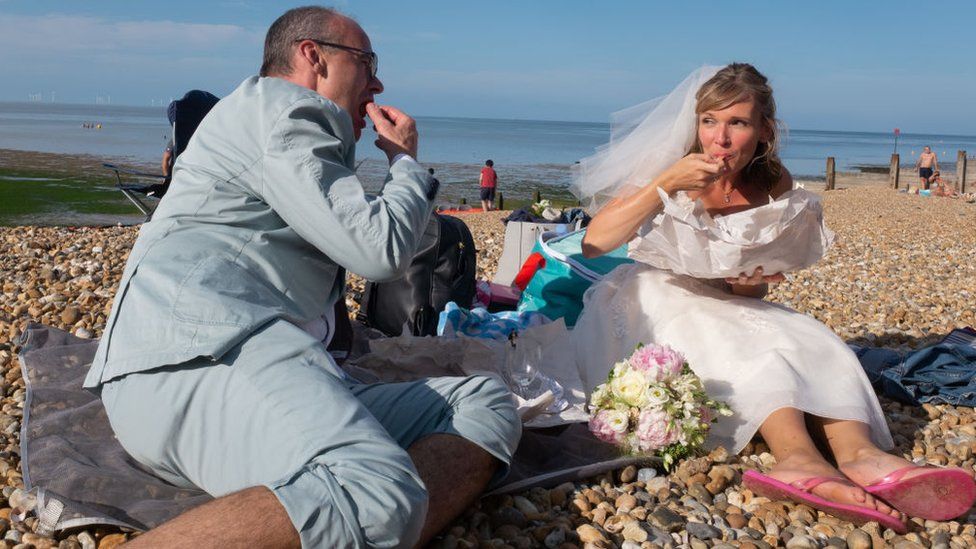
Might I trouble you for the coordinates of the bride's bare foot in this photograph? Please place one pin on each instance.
(871, 464)
(799, 466)
(924, 492)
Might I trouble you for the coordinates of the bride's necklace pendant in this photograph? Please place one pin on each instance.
(728, 197)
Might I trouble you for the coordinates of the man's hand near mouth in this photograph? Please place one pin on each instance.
(396, 130)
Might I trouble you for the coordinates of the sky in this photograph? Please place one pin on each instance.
(854, 66)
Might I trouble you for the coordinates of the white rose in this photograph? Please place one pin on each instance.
(657, 395)
(631, 387)
(618, 420)
(620, 368)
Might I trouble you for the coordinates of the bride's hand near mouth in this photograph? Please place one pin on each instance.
(617, 222)
(694, 172)
(396, 130)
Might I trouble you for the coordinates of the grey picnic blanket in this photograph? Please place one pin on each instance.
(82, 475)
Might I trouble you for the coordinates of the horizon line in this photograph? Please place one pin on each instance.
(504, 119)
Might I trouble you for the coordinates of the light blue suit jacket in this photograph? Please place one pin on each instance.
(263, 210)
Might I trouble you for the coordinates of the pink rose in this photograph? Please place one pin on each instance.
(658, 362)
(652, 430)
(609, 426)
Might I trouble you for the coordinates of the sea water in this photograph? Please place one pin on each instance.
(527, 153)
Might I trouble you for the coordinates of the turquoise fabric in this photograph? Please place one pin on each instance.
(556, 290)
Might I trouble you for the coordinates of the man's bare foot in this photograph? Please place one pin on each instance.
(798, 466)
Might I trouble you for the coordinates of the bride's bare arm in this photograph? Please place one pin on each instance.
(618, 221)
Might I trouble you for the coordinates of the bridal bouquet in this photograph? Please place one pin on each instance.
(653, 403)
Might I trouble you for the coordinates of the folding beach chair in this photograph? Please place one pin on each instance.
(184, 116)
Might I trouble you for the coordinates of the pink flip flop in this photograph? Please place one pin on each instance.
(936, 493)
(800, 491)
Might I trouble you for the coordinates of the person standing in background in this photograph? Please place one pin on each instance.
(927, 163)
(488, 181)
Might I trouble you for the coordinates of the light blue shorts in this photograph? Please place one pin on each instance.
(275, 411)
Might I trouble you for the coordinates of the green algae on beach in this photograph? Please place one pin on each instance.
(56, 189)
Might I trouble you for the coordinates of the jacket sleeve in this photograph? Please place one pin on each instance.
(307, 181)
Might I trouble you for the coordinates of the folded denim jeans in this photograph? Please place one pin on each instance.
(940, 374)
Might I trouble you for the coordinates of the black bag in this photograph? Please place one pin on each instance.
(443, 269)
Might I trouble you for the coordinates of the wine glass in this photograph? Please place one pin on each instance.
(522, 366)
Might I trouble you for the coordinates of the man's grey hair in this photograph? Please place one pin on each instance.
(296, 24)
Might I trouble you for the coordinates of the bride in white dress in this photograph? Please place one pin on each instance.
(783, 373)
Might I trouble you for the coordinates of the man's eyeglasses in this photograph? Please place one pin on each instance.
(372, 61)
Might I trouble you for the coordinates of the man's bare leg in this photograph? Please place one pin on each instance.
(797, 458)
(455, 472)
(226, 522)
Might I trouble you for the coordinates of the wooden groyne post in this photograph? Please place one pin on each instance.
(831, 176)
(537, 197)
(501, 201)
(961, 171)
(893, 171)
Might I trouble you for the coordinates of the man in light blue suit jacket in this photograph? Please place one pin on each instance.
(208, 368)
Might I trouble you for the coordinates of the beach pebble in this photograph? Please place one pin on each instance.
(657, 484)
(111, 541)
(634, 532)
(628, 474)
(555, 538)
(589, 534)
(802, 542)
(645, 474)
(859, 539)
(525, 506)
(20, 499)
(625, 502)
(39, 542)
(508, 515)
(702, 531)
(666, 519)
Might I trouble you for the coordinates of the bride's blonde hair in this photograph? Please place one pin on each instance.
(733, 84)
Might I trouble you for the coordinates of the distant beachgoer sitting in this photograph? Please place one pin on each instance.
(213, 366)
(941, 187)
(927, 163)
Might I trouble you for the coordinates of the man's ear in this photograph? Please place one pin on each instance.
(310, 54)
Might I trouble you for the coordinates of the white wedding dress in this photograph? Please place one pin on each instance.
(755, 355)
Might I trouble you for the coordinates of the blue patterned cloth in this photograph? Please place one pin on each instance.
(478, 322)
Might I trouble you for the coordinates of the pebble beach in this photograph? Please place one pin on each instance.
(901, 274)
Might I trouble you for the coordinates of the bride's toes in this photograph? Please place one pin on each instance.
(871, 501)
